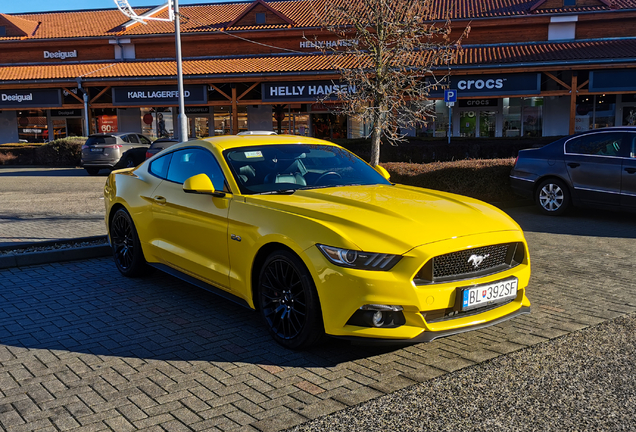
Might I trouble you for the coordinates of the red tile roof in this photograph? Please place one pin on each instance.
(508, 55)
(207, 17)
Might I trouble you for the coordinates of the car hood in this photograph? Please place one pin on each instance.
(391, 219)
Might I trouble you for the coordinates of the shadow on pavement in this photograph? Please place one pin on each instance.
(9, 171)
(87, 307)
(579, 221)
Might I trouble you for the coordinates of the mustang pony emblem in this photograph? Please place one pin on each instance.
(476, 260)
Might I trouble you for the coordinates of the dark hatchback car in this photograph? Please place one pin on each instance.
(115, 150)
(160, 144)
(591, 169)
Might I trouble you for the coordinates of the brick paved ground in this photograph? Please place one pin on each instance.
(84, 349)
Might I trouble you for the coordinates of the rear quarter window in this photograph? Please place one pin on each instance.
(598, 144)
(159, 167)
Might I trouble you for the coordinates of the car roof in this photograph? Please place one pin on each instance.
(225, 142)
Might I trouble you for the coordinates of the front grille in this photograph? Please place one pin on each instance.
(469, 263)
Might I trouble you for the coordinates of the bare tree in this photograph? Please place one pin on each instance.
(389, 54)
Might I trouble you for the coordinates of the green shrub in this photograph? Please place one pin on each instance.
(484, 179)
(64, 151)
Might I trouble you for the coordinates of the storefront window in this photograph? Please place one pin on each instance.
(467, 123)
(511, 117)
(487, 123)
(594, 111)
(533, 117)
(222, 121)
(157, 122)
(329, 126)
(441, 119)
(32, 126)
(198, 126)
(629, 110)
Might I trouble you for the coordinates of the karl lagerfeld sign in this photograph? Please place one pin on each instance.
(30, 98)
(158, 95)
(305, 91)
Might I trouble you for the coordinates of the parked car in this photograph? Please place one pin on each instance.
(113, 150)
(317, 240)
(592, 169)
(158, 145)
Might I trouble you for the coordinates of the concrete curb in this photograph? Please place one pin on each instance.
(52, 256)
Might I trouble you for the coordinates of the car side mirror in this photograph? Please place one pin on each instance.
(383, 172)
(201, 184)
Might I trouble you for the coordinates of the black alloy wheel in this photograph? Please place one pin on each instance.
(92, 171)
(127, 252)
(288, 301)
(553, 197)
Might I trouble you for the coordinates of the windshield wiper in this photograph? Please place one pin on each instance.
(278, 192)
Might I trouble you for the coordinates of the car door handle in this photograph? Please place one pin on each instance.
(159, 199)
(630, 170)
(574, 164)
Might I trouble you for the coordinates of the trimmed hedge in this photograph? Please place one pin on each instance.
(487, 180)
(438, 149)
(61, 152)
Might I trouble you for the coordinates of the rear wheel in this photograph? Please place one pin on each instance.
(553, 197)
(92, 171)
(289, 302)
(129, 257)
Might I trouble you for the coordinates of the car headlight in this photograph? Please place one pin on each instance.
(358, 259)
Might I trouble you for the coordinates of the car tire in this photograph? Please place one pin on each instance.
(553, 197)
(92, 171)
(288, 301)
(129, 258)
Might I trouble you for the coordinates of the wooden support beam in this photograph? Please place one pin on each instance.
(74, 95)
(248, 90)
(235, 122)
(99, 94)
(583, 85)
(558, 80)
(573, 102)
(220, 91)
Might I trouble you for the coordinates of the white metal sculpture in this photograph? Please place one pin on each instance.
(125, 8)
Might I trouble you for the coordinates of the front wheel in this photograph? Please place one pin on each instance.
(289, 302)
(553, 197)
(129, 257)
(92, 171)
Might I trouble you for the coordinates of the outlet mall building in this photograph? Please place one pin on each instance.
(528, 68)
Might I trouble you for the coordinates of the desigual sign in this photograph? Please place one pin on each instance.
(62, 55)
(30, 98)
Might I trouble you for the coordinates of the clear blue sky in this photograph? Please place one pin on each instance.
(24, 6)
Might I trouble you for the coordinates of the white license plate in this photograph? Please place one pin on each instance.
(97, 150)
(487, 294)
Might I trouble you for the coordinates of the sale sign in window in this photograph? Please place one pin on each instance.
(107, 123)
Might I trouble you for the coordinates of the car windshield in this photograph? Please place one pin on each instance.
(287, 167)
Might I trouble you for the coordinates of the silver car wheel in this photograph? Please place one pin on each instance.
(551, 197)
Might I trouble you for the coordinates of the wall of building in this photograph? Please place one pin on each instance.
(556, 115)
(8, 127)
(129, 120)
(260, 117)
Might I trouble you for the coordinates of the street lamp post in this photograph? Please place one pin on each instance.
(173, 15)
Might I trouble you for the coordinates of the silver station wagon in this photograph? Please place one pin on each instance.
(114, 150)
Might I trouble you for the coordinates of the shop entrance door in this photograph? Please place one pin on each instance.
(477, 123)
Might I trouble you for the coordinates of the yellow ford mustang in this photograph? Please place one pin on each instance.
(317, 240)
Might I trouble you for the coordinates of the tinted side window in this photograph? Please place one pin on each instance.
(159, 167)
(631, 144)
(144, 140)
(124, 138)
(189, 162)
(133, 138)
(599, 144)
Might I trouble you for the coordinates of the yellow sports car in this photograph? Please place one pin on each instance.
(317, 240)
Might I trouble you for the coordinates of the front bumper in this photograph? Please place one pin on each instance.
(344, 291)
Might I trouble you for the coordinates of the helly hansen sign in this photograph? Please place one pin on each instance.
(307, 91)
(30, 98)
(158, 95)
